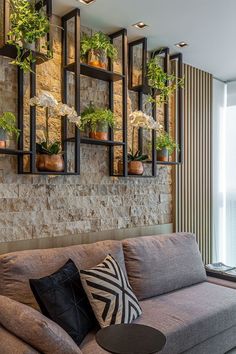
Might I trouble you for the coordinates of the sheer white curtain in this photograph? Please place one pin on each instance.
(224, 172)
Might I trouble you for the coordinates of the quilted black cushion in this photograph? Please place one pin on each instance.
(61, 298)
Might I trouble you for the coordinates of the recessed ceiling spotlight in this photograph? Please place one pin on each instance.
(140, 25)
(87, 2)
(181, 44)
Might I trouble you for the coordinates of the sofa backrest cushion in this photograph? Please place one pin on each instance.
(159, 264)
(17, 268)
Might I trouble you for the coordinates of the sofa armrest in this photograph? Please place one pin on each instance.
(222, 282)
(10, 344)
(34, 328)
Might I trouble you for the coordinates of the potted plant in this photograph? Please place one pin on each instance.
(7, 127)
(139, 119)
(164, 84)
(49, 154)
(135, 163)
(165, 146)
(96, 50)
(97, 121)
(27, 27)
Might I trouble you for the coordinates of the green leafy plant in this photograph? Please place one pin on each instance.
(48, 148)
(137, 156)
(8, 124)
(166, 84)
(100, 43)
(165, 141)
(93, 118)
(27, 26)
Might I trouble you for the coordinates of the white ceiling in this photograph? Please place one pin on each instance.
(209, 26)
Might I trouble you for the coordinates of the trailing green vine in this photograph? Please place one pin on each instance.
(166, 84)
(27, 26)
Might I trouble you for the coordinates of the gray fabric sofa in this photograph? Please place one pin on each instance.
(166, 273)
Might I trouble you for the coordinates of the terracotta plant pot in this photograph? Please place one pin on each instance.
(2, 144)
(51, 163)
(94, 59)
(3, 138)
(162, 155)
(135, 168)
(98, 135)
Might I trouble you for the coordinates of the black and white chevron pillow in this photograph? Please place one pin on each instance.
(110, 294)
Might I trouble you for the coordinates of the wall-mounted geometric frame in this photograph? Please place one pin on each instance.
(142, 88)
(9, 51)
(77, 68)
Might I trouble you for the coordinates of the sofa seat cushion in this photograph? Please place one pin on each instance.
(187, 317)
(159, 264)
(17, 268)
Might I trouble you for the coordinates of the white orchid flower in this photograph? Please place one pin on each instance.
(45, 100)
(64, 110)
(139, 119)
(74, 118)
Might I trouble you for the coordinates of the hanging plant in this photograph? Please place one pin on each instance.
(158, 79)
(96, 49)
(27, 27)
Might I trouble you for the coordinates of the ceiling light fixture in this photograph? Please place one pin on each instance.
(87, 2)
(181, 44)
(140, 25)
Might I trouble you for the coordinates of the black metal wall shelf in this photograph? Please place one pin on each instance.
(98, 142)
(78, 69)
(109, 76)
(10, 52)
(14, 152)
(143, 89)
(96, 73)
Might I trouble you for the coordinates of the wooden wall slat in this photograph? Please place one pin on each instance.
(193, 178)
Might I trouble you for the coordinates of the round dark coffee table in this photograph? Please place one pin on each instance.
(131, 339)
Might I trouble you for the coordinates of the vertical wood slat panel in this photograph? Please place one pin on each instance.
(193, 178)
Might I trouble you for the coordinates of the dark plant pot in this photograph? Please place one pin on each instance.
(50, 163)
(3, 138)
(98, 135)
(162, 155)
(135, 168)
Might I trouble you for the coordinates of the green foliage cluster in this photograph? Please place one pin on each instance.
(100, 43)
(166, 84)
(8, 124)
(165, 141)
(49, 148)
(137, 156)
(27, 26)
(93, 118)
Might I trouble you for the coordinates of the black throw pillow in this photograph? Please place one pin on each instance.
(61, 297)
